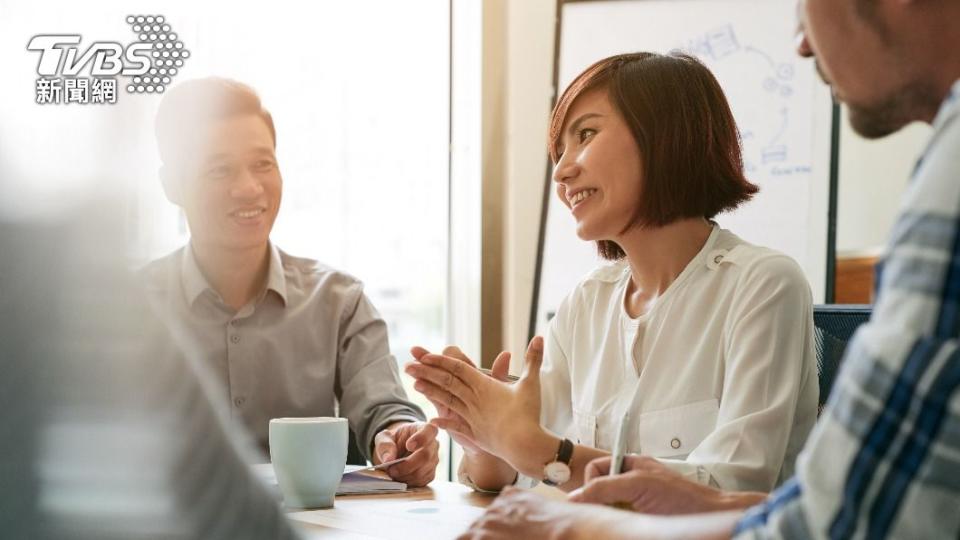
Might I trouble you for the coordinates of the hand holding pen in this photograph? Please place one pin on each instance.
(647, 485)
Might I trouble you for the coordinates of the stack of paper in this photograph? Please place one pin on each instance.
(356, 480)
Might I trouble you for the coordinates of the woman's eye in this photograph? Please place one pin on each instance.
(584, 133)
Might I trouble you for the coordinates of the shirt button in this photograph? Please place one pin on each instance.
(239, 401)
(233, 322)
(235, 338)
(675, 443)
(715, 257)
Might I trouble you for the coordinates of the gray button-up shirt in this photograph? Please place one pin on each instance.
(310, 341)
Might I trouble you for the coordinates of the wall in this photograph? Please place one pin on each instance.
(530, 41)
(873, 175)
(493, 196)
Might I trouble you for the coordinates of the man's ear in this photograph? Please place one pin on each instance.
(172, 186)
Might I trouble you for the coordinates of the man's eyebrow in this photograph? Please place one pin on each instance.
(583, 118)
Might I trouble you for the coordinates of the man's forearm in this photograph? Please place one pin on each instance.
(738, 500)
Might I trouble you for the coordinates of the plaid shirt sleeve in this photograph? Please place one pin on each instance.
(884, 459)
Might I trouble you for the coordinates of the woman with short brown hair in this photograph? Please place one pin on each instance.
(683, 128)
(701, 340)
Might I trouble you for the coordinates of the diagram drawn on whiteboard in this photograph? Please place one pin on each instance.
(722, 45)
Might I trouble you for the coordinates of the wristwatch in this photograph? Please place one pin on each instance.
(557, 472)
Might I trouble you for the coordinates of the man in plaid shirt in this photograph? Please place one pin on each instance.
(884, 459)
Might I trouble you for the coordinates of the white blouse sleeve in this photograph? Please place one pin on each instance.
(770, 385)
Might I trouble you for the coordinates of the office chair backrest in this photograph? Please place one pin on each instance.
(834, 326)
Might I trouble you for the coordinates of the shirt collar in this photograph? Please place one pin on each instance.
(194, 282)
(276, 279)
(948, 108)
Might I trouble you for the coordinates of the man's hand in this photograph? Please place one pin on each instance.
(415, 439)
(521, 514)
(648, 486)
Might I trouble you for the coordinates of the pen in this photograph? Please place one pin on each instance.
(619, 449)
(620, 445)
(510, 378)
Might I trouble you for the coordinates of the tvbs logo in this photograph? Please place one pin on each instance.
(149, 63)
(59, 56)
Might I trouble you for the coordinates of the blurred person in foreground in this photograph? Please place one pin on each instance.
(286, 336)
(884, 459)
(107, 428)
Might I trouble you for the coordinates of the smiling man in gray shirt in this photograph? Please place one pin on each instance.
(287, 336)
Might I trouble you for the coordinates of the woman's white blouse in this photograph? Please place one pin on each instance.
(720, 375)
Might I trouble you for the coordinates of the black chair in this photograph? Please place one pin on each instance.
(834, 326)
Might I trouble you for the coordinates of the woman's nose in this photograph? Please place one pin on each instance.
(564, 170)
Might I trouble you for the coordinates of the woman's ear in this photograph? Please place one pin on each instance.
(172, 186)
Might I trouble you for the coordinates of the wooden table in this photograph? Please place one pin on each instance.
(441, 511)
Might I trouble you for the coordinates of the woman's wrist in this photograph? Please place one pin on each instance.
(486, 472)
(532, 451)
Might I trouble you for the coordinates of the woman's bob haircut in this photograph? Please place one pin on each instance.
(685, 133)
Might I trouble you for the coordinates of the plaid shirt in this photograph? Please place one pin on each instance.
(884, 459)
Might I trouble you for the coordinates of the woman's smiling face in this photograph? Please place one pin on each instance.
(599, 174)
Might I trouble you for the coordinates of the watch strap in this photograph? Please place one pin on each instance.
(565, 452)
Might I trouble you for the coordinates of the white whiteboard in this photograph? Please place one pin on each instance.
(782, 109)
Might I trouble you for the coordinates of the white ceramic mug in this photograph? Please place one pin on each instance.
(308, 455)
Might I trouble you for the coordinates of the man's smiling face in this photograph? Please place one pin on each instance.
(232, 189)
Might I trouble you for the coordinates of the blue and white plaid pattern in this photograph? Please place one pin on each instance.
(884, 459)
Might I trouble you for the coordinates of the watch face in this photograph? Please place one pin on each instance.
(557, 473)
